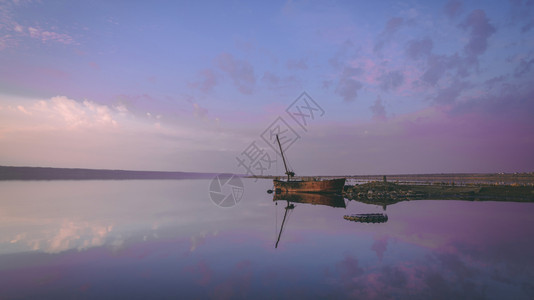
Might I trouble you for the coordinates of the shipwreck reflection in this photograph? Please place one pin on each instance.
(332, 200)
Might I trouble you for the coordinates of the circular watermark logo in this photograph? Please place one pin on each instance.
(226, 190)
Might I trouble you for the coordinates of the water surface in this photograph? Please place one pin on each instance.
(166, 239)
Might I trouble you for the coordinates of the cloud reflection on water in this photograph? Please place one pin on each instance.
(164, 236)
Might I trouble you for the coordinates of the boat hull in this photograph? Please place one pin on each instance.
(334, 186)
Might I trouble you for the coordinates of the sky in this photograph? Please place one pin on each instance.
(352, 87)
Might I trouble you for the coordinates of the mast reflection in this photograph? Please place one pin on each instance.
(331, 200)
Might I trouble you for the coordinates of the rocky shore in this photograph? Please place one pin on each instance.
(380, 192)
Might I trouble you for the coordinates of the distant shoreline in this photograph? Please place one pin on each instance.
(46, 173)
(49, 173)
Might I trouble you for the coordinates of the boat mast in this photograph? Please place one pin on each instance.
(284, 159)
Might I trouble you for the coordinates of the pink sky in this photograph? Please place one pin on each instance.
(425, 88)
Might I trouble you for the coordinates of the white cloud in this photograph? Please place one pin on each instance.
(13, 30)
(22, 109)
(79, 235)
(18, 28)
(73, 114)
(62, 132)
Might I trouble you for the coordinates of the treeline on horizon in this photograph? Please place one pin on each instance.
(44, 173)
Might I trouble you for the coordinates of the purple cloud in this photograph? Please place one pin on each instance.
(393, 277)
(419, 48)
(391, 80)
(491, 83)
(208, 81)
(202, 271)
(457, 266)
(326, 84)
(351, 72)
(274, 81)
(521, 11)
(514, 101)
(341, 54)
(480, 30)
(380, 246)
(300, 64)
(378, 46)
(524, 67)
(199, 111)
(378, 109)
(348, 87)
(527, 27)
(452, 8)
(349, 268)
(271, 79)
(94, 65)
(241, 72)
(451, 93)
(438, 65)
(393, 25)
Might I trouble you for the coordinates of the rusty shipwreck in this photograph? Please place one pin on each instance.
(328, 186)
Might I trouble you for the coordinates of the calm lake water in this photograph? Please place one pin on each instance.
(167, 239)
